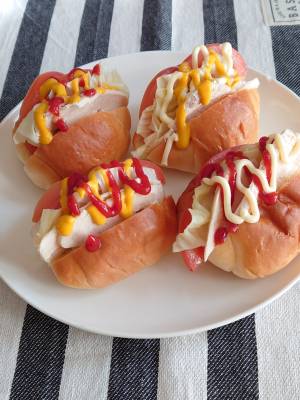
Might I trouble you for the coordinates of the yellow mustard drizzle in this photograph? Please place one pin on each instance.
(184, 67)
(84, 75)
(100, 90)
(97, 217)
(52, 85)
(127, 195)
(93, 182)
(109, 87)
(204, 91)
(81, 192)
(204, 88)
(233, 81)
(75, 97)
(183, 128)
(59, 90)
(40, 122)
(219, 66)
(65, 222)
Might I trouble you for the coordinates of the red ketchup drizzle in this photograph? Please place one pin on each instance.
(92, 243)
(112, 164)
(263, 143)
(267, 161)
(89, 92)
(73, 206)
(61, 125)
(268, 198)
(102, 206)
(54, 105)
(81, 82)
(266, 156)
(222, 232)
(141, 187)
(220, 235)
(96, 70)
(230, 156)
(75, 180)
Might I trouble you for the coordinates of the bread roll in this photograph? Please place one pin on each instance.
(230, 121)
(92, 140)
(95, 231)
(258, 249)
(128, 247)
(195, 110)
(88, 121)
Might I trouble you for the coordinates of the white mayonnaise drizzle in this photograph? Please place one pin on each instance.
(163, 111)
(284, 151)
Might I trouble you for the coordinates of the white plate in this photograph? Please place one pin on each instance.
(163, 300)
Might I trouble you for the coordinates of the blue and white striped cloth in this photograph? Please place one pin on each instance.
(40, 358)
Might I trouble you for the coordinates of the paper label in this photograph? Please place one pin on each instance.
(281, 12)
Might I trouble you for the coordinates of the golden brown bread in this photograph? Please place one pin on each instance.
(230, 121)
(126, 248)
(22, 152)
(94, 139)
(261, 249)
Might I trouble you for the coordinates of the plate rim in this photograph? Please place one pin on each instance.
(180, 332)
(165, 335)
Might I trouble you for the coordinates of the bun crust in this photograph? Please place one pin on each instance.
(230, 121)
(261, 249)
(97, 138)
(22, 152)
(126, 248)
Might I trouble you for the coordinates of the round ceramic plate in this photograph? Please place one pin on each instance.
(165, 299)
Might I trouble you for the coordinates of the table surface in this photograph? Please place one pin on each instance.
(40, 358)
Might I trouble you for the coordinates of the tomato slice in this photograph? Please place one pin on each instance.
(158, 171)
(193, 258)
(49, 201)
(30, 147)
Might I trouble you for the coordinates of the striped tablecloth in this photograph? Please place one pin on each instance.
(41, 358)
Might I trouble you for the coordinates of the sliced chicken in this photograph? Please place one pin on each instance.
(108, 101)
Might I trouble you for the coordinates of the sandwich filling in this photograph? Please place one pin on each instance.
(183, 94)
(229, 191)
(93, 204)
(63, 103)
